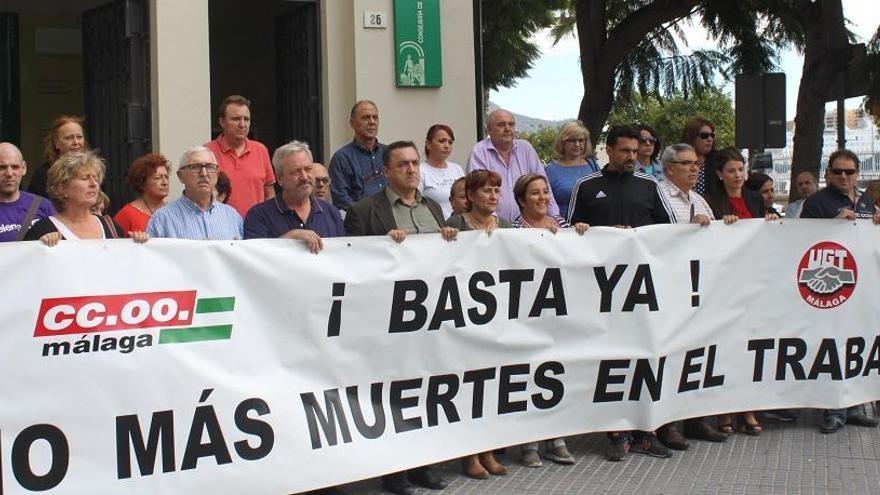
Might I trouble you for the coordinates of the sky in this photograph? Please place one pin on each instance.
(552, 89)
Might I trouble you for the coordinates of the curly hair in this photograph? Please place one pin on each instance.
(63, 170)
(144, 167)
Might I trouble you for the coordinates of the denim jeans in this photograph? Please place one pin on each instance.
(841, 414)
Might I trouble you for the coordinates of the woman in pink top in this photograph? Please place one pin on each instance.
(149, 176)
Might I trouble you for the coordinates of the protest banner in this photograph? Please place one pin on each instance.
(256, 367)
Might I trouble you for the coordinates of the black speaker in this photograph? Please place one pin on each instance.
(749, 111)
(760, 111)
(774, 110)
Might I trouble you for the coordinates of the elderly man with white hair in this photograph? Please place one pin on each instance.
(510, 157)
(296, 213)
(196, 214)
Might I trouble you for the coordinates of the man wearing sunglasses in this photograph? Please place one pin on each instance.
(196, 214)
(841, 198)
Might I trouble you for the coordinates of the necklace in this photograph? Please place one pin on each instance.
(147, 206)
(471, 220)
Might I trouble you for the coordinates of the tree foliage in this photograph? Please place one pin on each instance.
(543, 141)
(872, 62)
(508, 27)
(668, 115)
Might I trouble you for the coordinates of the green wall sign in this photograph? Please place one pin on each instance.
(417, 43)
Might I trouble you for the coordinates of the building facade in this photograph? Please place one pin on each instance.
(147, 75)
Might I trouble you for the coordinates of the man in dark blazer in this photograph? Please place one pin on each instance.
(399, 210)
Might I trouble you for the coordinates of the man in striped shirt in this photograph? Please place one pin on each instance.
(681, 170)
(195, 214)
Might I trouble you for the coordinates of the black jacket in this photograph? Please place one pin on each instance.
(608, 198)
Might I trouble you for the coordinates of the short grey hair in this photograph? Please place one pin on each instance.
(286, 150)
(184, 159)
(670, 153)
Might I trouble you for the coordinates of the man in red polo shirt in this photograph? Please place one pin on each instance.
(244, 161)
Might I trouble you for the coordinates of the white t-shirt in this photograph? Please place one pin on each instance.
(435, 183)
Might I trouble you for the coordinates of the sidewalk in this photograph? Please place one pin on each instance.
(787, 458)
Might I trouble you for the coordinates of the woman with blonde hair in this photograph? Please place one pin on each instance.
(572, 149)
(74, 184)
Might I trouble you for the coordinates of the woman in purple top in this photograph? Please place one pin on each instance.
(572, 148)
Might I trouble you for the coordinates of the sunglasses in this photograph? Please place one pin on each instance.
(841, 171)
(706, 135)
(648, 140)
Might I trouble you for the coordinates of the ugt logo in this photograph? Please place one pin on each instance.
(827, 275)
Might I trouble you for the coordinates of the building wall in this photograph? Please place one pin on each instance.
(360, 65)
(181, 90)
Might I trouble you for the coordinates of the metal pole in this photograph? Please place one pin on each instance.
(841, 123)
(478, 65)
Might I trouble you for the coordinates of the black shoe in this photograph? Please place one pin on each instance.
(831, 425)
(426, 477)
(397, 484)
(617, 448)
(700, 429)
(861, 420)
(672, 438)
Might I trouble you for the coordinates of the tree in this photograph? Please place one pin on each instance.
(507, 29)
(632, 46)
(872, 63)
(543, 140)
(668, 115)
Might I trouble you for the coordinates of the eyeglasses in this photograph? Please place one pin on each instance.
(841, 171)
(322, 180)
(687, 163)
(575, 141)
(210, 168)
(706, 135)
(648, 140)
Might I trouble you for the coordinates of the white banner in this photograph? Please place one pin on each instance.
(256, 367)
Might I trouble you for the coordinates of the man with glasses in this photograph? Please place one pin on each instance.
(18, 209)
(322, 182)
(244, 161)
(295, 213)
(512, 158)
(196, 214)
(841, 199)
(680, 172)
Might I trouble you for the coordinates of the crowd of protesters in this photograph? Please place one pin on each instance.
(233, 190)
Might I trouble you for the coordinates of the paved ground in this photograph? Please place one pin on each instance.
(787, 458)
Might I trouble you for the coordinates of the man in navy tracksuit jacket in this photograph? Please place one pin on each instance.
(617, 196)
